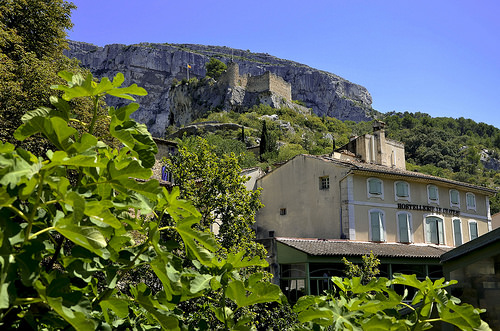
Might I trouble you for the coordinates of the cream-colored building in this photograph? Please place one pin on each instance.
(362, 196)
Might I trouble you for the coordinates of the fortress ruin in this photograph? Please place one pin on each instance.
(267, 82)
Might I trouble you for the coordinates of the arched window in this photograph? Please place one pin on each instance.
(457, 232)
(377, 225)
(375, 188)
(405, 230)
(402, 190)
(434, 230)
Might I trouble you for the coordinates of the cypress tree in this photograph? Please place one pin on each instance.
(264, 138)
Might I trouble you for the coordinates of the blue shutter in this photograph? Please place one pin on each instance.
(433, 230)
(375, 186)
(454, 197)
(433, 193)
(376, 226)
(471, 200)
(403, 223)
(457, 232)
(440, 231)
(473, 230)
(402, 189)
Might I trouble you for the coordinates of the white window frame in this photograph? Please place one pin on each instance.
(470, 222)
(451, 202)
(429, 200)
(373, 195)
(383, 232)
(467, 195)
(443, 235)
(324, 180)
(410, 226)
(396, 196)
(461, 231)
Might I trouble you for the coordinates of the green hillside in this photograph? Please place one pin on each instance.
(445, 147)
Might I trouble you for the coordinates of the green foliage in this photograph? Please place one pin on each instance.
(366, 272)
(355, 305)
(267, 143)
(215, 68)
(32, 38)
(214, 185)
(66, 248)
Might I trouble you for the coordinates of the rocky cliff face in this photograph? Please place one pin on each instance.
(155, 66)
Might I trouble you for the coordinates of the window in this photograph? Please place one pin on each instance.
(404, 227)
(471, 201)
(375, 188)
(457, 232)
(377, 228)
(402, 190)
(432, 194)
(324, 183)
(165, 174)
(282, 211)
(434, 232)
(454, 198)
(473, 234)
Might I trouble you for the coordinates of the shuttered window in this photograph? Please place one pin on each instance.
(404, 226)
(454, 198)
(402, 190)
(375, 186)
(473, 230)
(432, 192)
(434, 230)
(457, 231)
(377, 225)
(471, 201)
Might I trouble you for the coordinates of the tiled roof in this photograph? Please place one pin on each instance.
(362, 167)
(324, 247)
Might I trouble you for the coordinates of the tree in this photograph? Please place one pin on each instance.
(215, 68)
(376, 306)
(49, 283)
(32, 38)
(267, 142)
(214, 185)
(366, 271)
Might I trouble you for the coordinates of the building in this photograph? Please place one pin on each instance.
(165, 149)
(495, 221)
(361, 198)
(476, 267)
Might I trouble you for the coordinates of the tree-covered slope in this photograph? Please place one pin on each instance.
(459, 149)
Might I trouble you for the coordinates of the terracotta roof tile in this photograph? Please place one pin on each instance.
(324, 247)
(362, 167)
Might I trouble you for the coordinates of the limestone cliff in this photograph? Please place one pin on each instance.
(155, 66)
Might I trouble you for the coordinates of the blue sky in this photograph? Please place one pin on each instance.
(436, 57)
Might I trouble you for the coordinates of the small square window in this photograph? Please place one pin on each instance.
(324, 183)
(282, 211)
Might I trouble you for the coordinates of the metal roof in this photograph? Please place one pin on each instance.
(481, 241)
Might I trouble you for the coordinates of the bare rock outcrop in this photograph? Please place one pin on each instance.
(156, 66)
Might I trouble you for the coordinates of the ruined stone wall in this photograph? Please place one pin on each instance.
(269, 82)
(280, 86)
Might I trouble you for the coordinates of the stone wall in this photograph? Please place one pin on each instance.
(269, 82)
